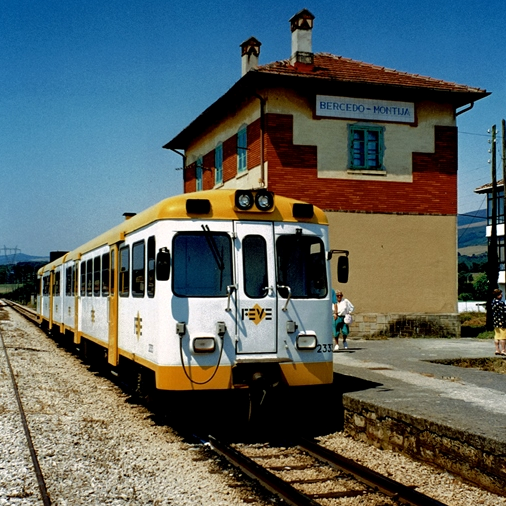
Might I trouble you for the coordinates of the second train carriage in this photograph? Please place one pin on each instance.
(208, 291)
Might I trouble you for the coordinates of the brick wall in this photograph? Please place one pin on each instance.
(293, 172)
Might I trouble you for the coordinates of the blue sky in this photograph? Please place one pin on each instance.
(92, 89)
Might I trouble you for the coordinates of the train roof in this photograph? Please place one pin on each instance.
(221, 207)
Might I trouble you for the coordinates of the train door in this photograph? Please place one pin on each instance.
(112, 354)
(256, 288)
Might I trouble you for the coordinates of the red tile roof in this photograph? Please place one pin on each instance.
(331, 67)
(487, 188)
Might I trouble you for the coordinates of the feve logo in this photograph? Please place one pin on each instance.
(256, 314)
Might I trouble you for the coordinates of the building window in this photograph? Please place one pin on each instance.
(242, 150)
(499, 207)
(365, 147)
(198, 175)
(218, 164)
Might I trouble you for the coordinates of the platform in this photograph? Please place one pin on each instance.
(395, 397)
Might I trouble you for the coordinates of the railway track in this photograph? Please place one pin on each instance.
(28, 437)
(307, 474)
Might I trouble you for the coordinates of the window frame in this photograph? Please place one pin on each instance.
(378, 152)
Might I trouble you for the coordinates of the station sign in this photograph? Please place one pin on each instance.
(365, 109)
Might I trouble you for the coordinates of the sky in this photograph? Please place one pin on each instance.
(90, 91)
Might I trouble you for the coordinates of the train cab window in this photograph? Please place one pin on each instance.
(89, 277)
(301, 266)
(56, 285)
(202, 264)
(124, 271)
(83, 279)
(138, 269)
(254, 254)
(96, 276)
(105, 275)
(151, 266)
(68, 281)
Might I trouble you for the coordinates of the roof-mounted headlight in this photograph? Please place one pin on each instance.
(264, 200)
(243, 200)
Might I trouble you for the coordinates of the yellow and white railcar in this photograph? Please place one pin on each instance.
(210, 290)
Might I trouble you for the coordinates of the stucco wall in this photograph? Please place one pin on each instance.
(398, 263)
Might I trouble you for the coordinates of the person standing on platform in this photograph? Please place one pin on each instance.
(341, 310)
(499, 318)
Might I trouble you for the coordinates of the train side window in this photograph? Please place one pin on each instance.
(45, 287)
(151, 266)
(56, 286)
(105, 274)
(254, 254)
(138, 269)
(74, 279)
(83, 279)
(113, 272)
(124, 271)
(89, 277)
(68, 281)
(96, 276)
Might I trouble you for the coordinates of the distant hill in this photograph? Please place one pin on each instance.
(472, 238)
(21, 257)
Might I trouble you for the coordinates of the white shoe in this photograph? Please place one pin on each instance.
(345, 346)
(336, 347)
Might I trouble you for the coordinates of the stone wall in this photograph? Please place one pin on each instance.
(405, 325)
(477, 459)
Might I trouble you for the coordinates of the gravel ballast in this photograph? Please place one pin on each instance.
(95, 448)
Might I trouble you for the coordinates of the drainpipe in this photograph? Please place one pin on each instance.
(262, 131)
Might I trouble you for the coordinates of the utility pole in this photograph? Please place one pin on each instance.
(492, 264)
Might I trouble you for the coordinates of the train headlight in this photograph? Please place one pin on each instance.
(244, 200)
(307, 341)
(264, 200)
(203, 344)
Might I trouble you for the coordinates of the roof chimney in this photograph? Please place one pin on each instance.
(301, 26)
(250, 51)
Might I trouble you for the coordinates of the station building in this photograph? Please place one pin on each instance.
(375, 148)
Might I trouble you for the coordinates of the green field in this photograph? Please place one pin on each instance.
(9, 287)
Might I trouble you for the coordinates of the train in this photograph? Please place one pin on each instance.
(217, 290)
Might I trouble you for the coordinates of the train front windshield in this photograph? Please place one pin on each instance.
(203, 265)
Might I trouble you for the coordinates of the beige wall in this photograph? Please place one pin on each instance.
(398, 263)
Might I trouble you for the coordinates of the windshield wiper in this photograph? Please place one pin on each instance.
(218, 257)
